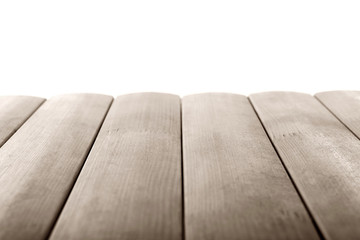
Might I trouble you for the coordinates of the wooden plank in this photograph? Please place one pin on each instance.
(130, 186)
(235, 185)
(14, 111)
(345, 105)
(321, 155)
(39, 164)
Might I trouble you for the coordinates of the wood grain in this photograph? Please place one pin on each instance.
(130, 186)
(40, 163)
(14, 111)
(235, 185)
(345, 105)
(322, 156)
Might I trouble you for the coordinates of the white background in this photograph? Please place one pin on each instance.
(182, 47)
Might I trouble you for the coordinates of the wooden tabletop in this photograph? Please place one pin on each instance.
(274, 165)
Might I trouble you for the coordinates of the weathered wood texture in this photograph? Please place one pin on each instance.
(346, 106)
(235, 185)
(40, 163)
(322, 156)
(14, 111)
(130, 185)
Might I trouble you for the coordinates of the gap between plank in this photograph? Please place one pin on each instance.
(25, 120)
(323, 104)
(182, 175)
(78, 174)
(288, 173)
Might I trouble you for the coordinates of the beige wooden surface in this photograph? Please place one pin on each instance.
(235, 185)
(321, 155)
(130, 186)
(345, 105)
(14, 111)
(39, 164)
